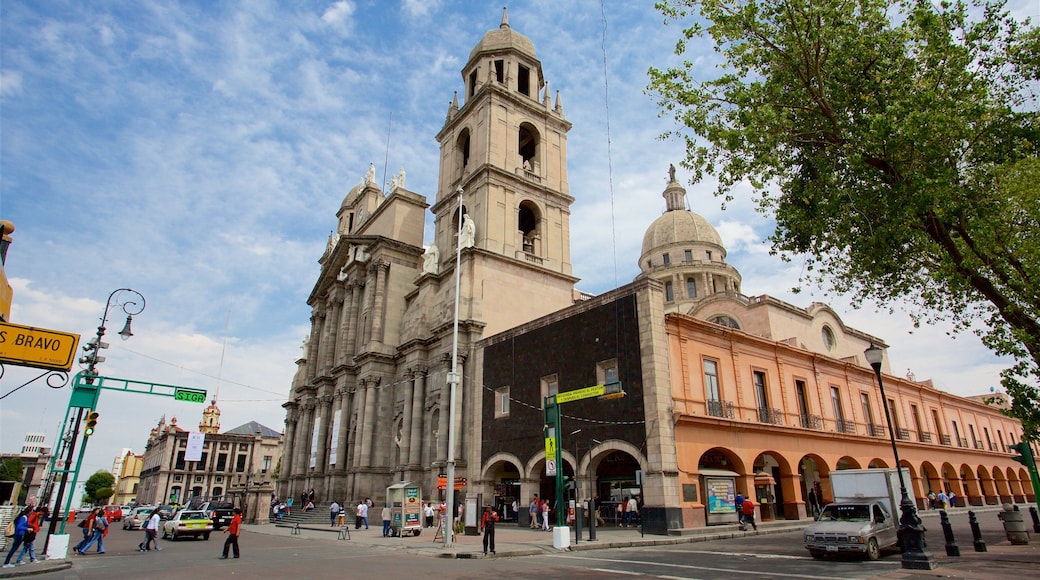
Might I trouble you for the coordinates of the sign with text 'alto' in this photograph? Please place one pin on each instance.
(37, 347)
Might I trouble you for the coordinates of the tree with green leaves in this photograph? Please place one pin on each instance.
(98, 482)
(894, 142)
(11, 469)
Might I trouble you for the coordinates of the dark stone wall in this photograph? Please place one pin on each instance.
(570, 348)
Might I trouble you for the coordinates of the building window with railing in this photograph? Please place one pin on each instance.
(957, 436)
(839, 414)
(807, 420)
(716, 406)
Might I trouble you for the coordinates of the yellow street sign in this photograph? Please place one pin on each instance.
(550, 448)
(37, 347)
(586, 393)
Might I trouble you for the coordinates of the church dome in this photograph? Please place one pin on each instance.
(502, 39)
(678, 226)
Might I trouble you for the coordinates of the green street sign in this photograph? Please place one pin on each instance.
(190, 395)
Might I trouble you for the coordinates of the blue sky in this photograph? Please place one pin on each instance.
(198, 151)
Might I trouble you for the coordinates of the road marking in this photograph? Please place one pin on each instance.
(625, 572)
(771, 574)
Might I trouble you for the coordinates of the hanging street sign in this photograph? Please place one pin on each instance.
(189, 395)
(37, 347)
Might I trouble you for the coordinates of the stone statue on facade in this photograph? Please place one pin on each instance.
(393, 183)
(469, 232)
(400, 179)
(332, 243)
(370, 177)
(431, 259)
(671, 173)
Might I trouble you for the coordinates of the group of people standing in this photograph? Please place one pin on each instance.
(26, 526)
(539, 508)
(942, 500)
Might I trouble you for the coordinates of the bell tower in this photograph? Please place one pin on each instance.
(505, 147)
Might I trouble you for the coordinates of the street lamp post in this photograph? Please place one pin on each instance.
(910, 532)
(131, 305)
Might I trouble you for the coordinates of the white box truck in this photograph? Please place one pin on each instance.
(864, 517)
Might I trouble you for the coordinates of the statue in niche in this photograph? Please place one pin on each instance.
(431, 259)
(469, 232)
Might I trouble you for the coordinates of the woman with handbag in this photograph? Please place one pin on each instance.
(28, 541)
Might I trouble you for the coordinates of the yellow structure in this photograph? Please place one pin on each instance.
(128, 480)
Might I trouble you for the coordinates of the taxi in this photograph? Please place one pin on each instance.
(188, 523)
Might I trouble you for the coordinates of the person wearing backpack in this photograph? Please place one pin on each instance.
(100, 529)
(21, 526)
(29, 540)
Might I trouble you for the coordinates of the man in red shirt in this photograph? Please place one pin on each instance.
(749, 513)
(487, 523)
(232, 532)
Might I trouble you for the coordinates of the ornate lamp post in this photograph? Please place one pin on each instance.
(910, 531)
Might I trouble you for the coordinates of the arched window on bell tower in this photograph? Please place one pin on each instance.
(527, 223)
(528, 146)
(462, 152)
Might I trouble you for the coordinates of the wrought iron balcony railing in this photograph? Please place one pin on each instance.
(722, 409)
(812, 421)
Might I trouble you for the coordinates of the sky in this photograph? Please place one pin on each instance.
(197, 153)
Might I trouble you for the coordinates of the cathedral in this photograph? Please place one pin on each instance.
(723, 392)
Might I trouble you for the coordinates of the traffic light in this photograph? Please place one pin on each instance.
(1025, 456)
(91, 424)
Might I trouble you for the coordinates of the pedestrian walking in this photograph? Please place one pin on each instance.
(100, 528)
(232, 532)
(333, 513)
(385, 514)
(21, 527)
(362, 516)
(748, 509)
(87, 526)
(632, 512)
(487, 523)
(151, 532)
(953, 498)
(942, 498)
(532, 510)
(545, 515)
(29, 540)
(738, 504)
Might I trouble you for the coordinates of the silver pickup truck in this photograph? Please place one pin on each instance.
(864, 517)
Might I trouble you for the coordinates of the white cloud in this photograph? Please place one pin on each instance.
(10, 83)
(338, 13)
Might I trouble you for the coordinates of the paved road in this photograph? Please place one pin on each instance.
(270, 552)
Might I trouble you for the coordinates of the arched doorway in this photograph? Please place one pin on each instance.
(615, 481)
(774, 487)
(812, 470)
(503, 478)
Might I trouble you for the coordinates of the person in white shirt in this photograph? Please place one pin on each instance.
(151, 530)
(362, 516)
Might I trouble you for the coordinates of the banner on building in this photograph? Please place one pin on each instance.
(334, 445)
(314, 442)
(196, 441)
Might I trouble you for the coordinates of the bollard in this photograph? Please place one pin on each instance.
(976, 533)
(1036, 520)
(951, 543)
(1014, 525)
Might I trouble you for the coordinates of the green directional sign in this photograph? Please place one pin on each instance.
(190, 395)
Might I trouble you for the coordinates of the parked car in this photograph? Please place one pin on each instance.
(138, 516)
(188, 523)
(113, 513)
(220, 513)
(165, 512)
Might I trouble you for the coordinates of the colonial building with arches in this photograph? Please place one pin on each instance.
(724, 392)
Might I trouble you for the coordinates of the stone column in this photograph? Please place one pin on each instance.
(350, 319)
(406, 419)
(324, 405)
(371, 393)
(344, 428)
(359, 422)
(333, 305)
(314, 344)
(382, 274)
(287, 448)
(301, 455)
(415, 432)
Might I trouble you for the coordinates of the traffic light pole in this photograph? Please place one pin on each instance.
(57, 513)
(1027, 459)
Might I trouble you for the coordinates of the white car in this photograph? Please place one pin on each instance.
(137, 517)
